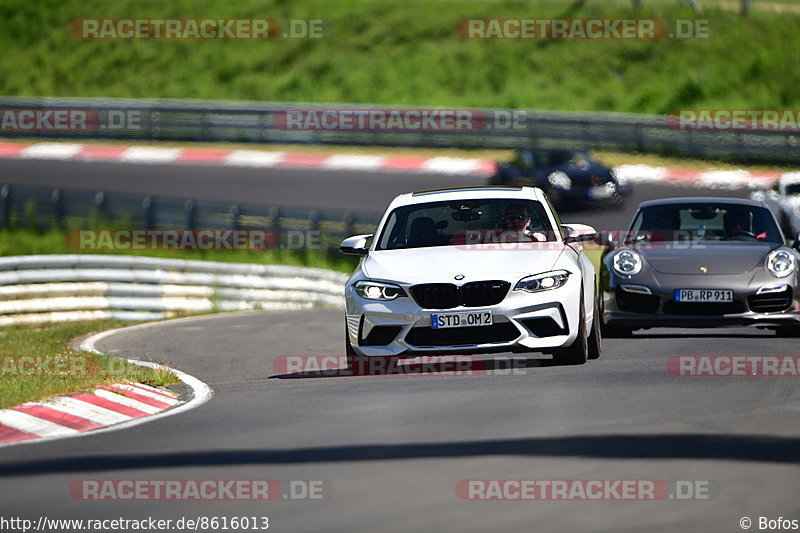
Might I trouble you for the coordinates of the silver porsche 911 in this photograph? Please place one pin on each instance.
(701, 262)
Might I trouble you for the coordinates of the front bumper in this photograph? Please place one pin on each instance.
(589, 195)
(522, 322)
(626, 303)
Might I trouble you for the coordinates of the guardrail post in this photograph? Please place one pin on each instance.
(233, 211)
(100, 205)
(639, 139)
(348, 224)
(740, 151)
(313, 219)
(6, 198)
(148, 212)
(189, 211)
(58, 207)
(155, 124)
(274, 215)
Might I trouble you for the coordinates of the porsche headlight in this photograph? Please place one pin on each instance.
(560, 180)
(375, 290)
(543, 282)
(627, 263)
(780, 263)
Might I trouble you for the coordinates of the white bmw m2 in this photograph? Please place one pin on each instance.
(472, 270)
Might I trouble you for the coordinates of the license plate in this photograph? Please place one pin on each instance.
(600, 192)
(703, 295)
(461, 320)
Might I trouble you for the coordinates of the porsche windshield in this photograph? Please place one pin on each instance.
(704, 222)
(466, 222)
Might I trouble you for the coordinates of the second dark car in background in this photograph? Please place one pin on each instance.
(572, 179)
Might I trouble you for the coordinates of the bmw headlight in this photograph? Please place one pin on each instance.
(627, 263)
(543, 282)
(780, 263)
(560, 180)
(375, 290)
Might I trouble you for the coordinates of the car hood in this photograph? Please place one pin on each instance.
(793, 201)
(721, 258)
(442, 263)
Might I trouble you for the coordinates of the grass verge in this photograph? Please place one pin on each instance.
(408, 53)
(37, 362)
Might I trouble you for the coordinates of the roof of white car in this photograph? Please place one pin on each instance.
(468, 193)
(790, 177)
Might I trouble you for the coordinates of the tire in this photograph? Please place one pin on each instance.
(595, 336)
(578, 352)
(355, 363)
(788, 332)
(617, 332)
(348, 348)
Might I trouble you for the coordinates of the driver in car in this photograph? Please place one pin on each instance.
(517, 219)
(737, 224)
(740, 224)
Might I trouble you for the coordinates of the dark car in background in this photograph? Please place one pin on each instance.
(572, 179)
(701, 262)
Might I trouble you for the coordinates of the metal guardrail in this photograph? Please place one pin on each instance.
(220, 121)
(45, 207)
(60, 288)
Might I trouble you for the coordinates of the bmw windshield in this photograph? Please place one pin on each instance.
(466, 222)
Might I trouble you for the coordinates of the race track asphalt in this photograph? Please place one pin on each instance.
(391, 449)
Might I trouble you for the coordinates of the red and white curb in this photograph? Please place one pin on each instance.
(106, 408)
(711, 178)
(84, 411)
(244, 158)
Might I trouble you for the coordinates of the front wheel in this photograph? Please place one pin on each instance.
(788, 332)
(578, 352)
(595, 337)
(348, 348)
(617, 332)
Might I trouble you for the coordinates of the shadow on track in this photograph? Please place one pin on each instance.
(678, 446)
(700, 335)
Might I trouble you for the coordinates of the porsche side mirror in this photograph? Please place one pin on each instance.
(604, 238)
(356, 245)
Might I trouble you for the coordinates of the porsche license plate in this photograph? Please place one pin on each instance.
(704, 295)
(461, 320)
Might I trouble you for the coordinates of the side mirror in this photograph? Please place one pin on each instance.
(356, 245)
(579, 233)
(604, 238)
